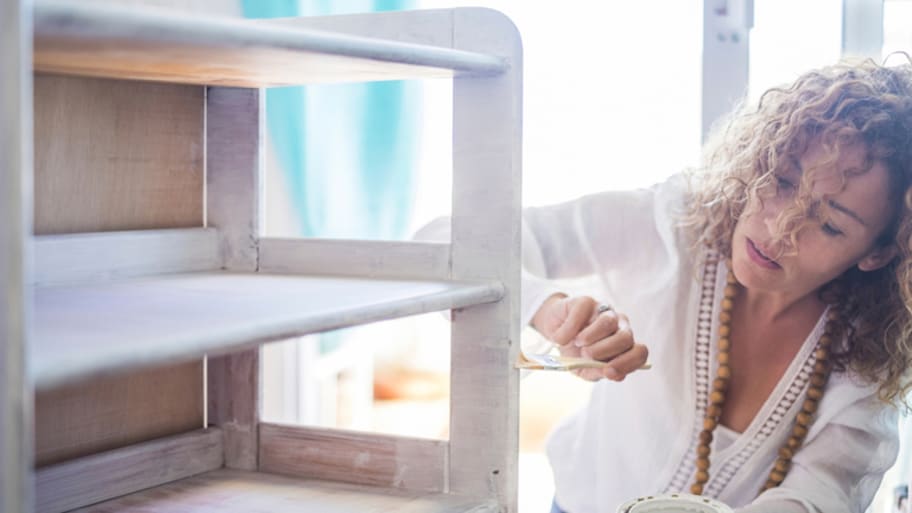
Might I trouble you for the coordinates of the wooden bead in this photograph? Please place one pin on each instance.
(702, 476)
(724, 371)
(724, 330)
(782, 465)
(815, 393)
(696, 489)
(786, 453)
(706, 437)
(716, 397)
(820, 367)
(714, 411)
(731, 290)
(709, 423)
(703, 451)
(725, 317)
(818, 379)
(724, 344)
(821, 354)
(703, 463)
(720, 384)
(804, 418)
(825, 340)
(723, 357)
(809, 405)
(793, 443)
(727, 304)
(768, 486)
(776, 477)
(799, 431)
(834, 316)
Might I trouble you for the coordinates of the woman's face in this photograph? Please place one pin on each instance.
(857, 215)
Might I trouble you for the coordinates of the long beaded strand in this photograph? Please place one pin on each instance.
(818, 380)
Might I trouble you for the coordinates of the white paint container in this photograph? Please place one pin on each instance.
(673, 503)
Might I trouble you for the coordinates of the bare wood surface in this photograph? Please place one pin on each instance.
(16, 487)
(375, 259)
(354, 457)
(110, 255)
(112, 155)
(113, 412)
(110, 474)
(150, 44)
(85, 330)
(228, 491)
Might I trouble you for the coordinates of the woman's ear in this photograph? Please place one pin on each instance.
(877, 258)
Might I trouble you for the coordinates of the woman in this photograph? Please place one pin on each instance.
(773, 289)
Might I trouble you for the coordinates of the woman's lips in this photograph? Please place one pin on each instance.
(759, 258)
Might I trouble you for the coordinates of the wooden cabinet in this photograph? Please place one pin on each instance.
(138, 288)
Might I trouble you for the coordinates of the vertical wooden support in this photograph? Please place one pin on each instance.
(16, 476)
(487, 134)
(234, 135)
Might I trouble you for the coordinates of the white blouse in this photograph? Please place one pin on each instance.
(639, 437)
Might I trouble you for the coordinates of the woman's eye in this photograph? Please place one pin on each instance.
(831, 230)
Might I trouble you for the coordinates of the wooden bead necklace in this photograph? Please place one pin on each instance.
(818, 380)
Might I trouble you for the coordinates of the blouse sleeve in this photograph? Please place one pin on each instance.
(839, 470)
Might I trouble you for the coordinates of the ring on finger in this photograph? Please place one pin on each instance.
(602, 308)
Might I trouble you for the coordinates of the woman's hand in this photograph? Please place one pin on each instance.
(580, 328)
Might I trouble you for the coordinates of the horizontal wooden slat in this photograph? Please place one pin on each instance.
(107, 255)
(93, 329)
(99, 477)
(361, 458)
(233, 491)
(150, 44)
(376, 259)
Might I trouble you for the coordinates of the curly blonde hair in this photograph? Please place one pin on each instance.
(838, 106)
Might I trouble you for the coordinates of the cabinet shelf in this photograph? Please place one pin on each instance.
(253, 492)
(83, 330)
(150, 44)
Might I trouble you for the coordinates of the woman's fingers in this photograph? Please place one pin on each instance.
(604, 325)
(578, 314)
(629, 361)
(616, 343)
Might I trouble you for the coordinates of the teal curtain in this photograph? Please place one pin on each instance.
(347, 151)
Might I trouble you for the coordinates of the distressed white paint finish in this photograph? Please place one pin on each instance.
(232, 491)
(354, 457)
(111, 255)
(90, 329)
(487, 170)
(726, 27)
(235, 129)
(102, 476)
(15, 236)
(374, 259)
(233, 404)
(142, 43)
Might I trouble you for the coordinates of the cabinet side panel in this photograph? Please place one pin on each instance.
(108, 413)
(115, 155)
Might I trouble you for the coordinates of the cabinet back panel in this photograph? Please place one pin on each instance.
(116, 155)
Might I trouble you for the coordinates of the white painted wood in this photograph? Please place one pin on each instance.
(374, 259)
(148, 44)
(16, 485)
(233, 404)
(726, 30)
(112, 255)
(90, 329)
(485, 241)
(862, 28)
(353, 457)
(102, 476)
(232, 491)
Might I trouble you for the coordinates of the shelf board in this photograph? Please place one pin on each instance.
(161, 45)
(85, 330)
(256, 492)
